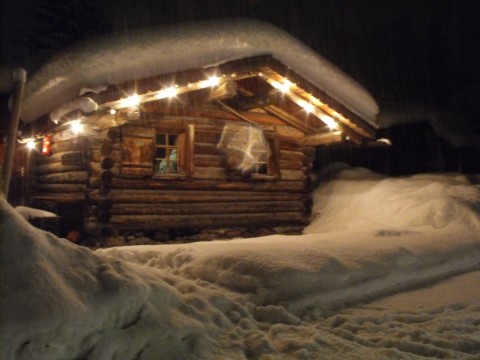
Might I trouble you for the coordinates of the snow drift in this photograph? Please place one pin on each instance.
(269, 297)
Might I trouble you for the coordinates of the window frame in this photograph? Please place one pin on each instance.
(273, 163)
(168, 147)
(185, 138)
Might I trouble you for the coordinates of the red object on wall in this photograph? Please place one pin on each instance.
(47, 145)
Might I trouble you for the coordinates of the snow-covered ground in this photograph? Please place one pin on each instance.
(388, 269)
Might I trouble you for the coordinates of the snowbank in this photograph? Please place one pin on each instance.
(60, 301)
(114, 59)
(359, 199)
(29, 213)
(275, 297)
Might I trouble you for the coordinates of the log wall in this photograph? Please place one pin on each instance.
(63, 175)
(207, 198)
(119, 197)
(59, 182)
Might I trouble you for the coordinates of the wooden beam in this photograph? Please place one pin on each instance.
(224, 91)
(209, 112)
(252, 102)
(234, 112)
(19, 77)
(289, 119)
(322, 139)
(361, 126)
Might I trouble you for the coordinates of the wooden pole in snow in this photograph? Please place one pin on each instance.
(19, 77)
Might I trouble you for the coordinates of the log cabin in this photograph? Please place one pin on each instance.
(220, 135)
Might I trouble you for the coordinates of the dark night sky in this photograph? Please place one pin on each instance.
(401, 50)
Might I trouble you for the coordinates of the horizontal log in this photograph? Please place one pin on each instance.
(288, 133)
(77, 144)
(175, 196)
(202, 148)
(140, 171)
(209, 173)
(207, 208)
(56, 157)
(73, 177)
(59, 188)
(290, 144)
(96, 168)
(211, 137)
(291, 155)
(292, 165)
(270, 186)
(59, 197)
(97, 156)
(208, 161)
(57, 167)
(292, 175)
(209, 220)
(145, 131)
(322, 139)
(96, 143)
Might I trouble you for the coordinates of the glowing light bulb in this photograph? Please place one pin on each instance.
(113, 111)
(212, 81)
(282, 87)
(31, 144)
(131, 101)
(328, 120)
(306, 106)
(76, 126)
(170, 92)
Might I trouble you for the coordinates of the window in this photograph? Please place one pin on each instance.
(261, 160)
(150, 151)
(168, 153)
(173, 151)
(249, 153)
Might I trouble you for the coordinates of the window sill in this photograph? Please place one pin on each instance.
(169, 177)
(261, 177)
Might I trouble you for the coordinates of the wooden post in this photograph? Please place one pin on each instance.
(19, 77)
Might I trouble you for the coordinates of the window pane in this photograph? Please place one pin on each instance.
(172, 139)
(161, 139)
(172, 166)
(172, 154)
(161, 153)
(161, 166)
(167, 153)
(261, 168)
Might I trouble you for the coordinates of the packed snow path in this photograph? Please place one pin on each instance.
(319, 295)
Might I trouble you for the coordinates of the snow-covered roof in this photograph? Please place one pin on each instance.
(114, 59)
